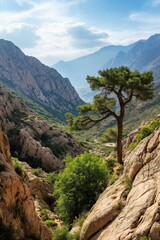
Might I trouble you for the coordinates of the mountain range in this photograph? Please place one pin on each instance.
(28, 76)
(143, 55)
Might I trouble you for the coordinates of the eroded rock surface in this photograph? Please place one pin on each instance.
(139, 214)
(16, 203)
(32, 139)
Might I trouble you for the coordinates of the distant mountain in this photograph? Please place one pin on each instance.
(143, 55)
(77, 70)
(30, 77)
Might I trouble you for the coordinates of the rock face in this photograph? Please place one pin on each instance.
(117, 216)
(16, 204)
(32, 139)
(30, 77)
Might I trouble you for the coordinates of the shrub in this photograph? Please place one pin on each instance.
(17, 166)
(50, 223)
(79, 185)
(37, 171)
(110, 135)
(44, 214)
(61, 233)
(144, 132)
(51, 178)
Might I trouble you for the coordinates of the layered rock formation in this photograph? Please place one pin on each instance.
(118, 215)
(32, 139)
(17, 208)
(30, 77)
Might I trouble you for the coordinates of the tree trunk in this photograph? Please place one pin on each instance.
(119, 140)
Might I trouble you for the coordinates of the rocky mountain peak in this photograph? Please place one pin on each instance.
(29, 76)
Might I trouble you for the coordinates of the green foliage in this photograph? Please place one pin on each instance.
(144, 132)
(17, 166)
(38, 171)
(110, 135)
(7, 232)
(117, 87)
(62, 233)
(111, 163)
(50, 223)
(78, 186)
(2, 167)
(145, 238)
(147, 130)
(51, 178)
(44, 214)
(128, 183)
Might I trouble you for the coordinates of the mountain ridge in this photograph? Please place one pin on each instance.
(28, 76)
(142, 55)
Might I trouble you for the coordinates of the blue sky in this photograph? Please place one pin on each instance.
(54, 30)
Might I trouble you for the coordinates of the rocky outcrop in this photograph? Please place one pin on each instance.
(30, 77)
(17, 207)
(32, 139)
(117, 216)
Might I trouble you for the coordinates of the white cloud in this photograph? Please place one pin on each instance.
(22, 34)
(146, 18)
(48, 31)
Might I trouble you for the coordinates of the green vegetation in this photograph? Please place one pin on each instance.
(50, 223)
(144, 132)
(38, 171)
(51, 177)
(7, 232)
(84, 173)
(117, 87)
(44, 214)
(110, 135)
(37, 108)
(17, 166)
(128, 184)
(145, 238)
(62, 233)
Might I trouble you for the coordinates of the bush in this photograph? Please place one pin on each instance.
(50, 223)
(145, 131)
(110, 135)
(61, 233)
(17, 166)
(44, 214)
(37, 171)
(79, 185)
(51, 178)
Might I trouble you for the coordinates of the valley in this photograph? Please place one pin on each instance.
(57, 183)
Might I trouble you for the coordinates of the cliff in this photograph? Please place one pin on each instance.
(130, 208)
(28, 76)
(32, 139)
(17, 209)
